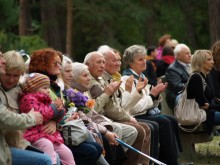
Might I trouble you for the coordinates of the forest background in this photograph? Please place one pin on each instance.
(76, 27)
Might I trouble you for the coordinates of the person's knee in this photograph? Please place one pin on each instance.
(45, 144)
(133, 132)
(94, 150)
(165, 122)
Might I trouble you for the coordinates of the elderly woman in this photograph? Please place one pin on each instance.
(67, 71)
(202, 63)
(11, 122)
(80, 81)
(146, 108)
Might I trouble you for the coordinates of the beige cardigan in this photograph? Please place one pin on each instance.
(10, 121)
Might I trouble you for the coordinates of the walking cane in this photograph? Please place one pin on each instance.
(132, 148)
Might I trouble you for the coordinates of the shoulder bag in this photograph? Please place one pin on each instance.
(188, 112)
(74, 132)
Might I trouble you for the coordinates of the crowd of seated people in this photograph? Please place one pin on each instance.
(126, 103)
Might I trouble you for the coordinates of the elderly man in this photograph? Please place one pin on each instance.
(177, 74)
(108, 101)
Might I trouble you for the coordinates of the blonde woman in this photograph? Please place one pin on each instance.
(200, 89)
(11, 68)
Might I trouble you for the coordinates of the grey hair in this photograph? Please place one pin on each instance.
(66, 60)
(179, 48)
(105, 50)
(78, 69)
(89, 56)
(131, 53)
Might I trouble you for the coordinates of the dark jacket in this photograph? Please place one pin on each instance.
(163, 64)
(176, 76)
(195, 90)
(214, 78)
(150, 72)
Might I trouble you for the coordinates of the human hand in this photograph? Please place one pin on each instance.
(111, 138)
(37, 115)
(129, 83)
(50, 127)
(159, 88)
(73, 117)
(217, 99)
(112, 87)
(205, 107)
(59, 103)
(163, 85)
(141, 84)
(133, 120)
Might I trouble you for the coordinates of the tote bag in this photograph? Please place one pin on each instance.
(74, 132)
(188, 111)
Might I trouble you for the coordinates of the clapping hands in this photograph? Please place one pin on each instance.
(159, 88)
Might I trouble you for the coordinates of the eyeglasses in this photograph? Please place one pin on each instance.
(57, 64)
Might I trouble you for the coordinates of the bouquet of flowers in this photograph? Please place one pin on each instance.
(79, 100)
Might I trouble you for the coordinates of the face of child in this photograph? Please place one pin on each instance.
(44, 89)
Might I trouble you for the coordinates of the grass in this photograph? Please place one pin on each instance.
(208, 153)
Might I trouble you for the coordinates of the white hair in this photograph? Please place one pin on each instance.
(78, 69)
(66, 60)
(105, 49)
(89, 56)
(179, 48)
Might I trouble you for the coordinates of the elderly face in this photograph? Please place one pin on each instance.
(112, 65)
(2, 64)
(66, 74)
(208, 64)
(184, 55)
(55, 66)
(84, 79)
(10, 79)
(139, 64)
(96, 65)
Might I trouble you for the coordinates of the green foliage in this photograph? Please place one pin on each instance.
(10, 41)
(8, 14)
(31, 43)
(117, 23)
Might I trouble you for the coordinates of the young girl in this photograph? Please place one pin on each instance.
(36, 96)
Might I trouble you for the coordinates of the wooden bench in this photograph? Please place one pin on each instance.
(188, 139)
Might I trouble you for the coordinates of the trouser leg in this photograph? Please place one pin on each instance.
(139, 144)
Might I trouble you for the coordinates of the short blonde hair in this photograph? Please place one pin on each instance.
(14, 61)
(198, 60)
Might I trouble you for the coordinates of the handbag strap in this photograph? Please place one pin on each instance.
(191, 129)
(185, 90)
(203, 80)
(69, 135)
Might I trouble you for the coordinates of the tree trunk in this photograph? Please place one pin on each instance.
(69, 28)
(189, 23)
(24, 18)
(50, 26)
(214, 20)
